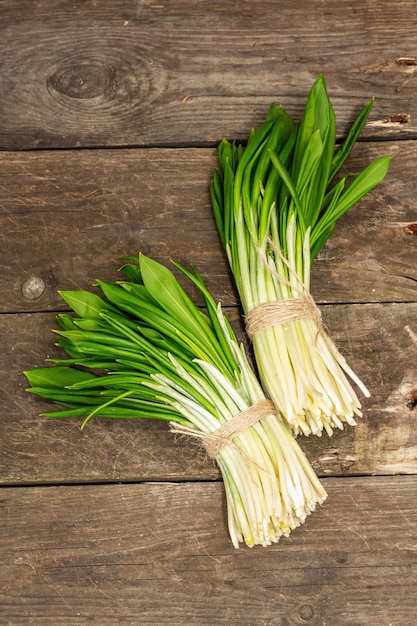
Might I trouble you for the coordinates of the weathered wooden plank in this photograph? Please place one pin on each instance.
(186, 73)
(160, 554)
(179, 74)
(377, 340)
(66, 217)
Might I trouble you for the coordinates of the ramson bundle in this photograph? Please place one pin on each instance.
(276, 201)
(143, 349)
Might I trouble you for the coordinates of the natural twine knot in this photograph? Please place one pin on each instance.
(227, 432)
(281, 312)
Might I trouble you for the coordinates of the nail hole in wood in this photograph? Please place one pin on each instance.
(411, 229)
(33, 288)
(412, 403)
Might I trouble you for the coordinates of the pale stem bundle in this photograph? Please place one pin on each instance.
(270, 486)
(300, 367)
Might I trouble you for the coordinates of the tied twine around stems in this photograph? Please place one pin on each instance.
(224, 435)
(286, 310)
(280, 312)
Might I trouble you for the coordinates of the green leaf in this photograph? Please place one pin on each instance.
(342, 154)
(66, 321)
(132, 272)
(216, 193)
(226, 358)
(166, 290)
(371, 176)
(57, 377)
(88, 324)
(315, 118)
(257, 139)
(85, 303)
(290, 186)
(340, 202)
(117, 412)
(308, 168)
(278, 136)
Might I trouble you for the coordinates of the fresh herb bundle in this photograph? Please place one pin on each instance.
(276, 202)
(143, 349)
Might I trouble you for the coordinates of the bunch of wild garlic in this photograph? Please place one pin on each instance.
(163, 358)
(276, 202)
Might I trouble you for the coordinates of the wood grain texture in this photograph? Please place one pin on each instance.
(77, 213)
(160, 554)
(66, 217)
(141, 73)
(109, 116)
(375, 339)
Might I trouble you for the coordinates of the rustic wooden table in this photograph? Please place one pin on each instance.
(109, 117)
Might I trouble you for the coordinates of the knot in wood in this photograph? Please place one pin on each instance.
(82, 78)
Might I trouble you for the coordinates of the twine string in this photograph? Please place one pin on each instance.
(224, 435)
(282, 311)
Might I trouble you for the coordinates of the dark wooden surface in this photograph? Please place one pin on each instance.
(144, 560)
(86, 73)
(109, 117)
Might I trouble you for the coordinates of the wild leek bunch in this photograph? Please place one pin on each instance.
(276, 202)
(143, 349)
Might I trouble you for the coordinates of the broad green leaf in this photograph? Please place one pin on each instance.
(85, 303)
(55, 376)
(90, 362)
(321, 240)
(371, 176)
(227, 358)
(68, 397)
(92, 348)
(315, 117)
(274, 192)
(166, 290)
